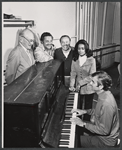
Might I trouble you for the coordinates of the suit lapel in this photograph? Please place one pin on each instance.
(61, 53)
(87, 62)
(25, 56)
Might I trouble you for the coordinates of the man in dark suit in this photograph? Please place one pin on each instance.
(65, 54)
(21, 57)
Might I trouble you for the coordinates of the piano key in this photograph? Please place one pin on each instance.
(64, 142)
(65, 137)
(68, 131)
(65, 131)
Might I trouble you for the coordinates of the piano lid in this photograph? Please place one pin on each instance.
(31, 86)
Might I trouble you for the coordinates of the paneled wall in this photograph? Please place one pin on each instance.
(99, 24)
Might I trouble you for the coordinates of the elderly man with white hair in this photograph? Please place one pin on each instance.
(21, 57)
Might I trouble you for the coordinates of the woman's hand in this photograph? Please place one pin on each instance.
(72, 89)
(77, 88)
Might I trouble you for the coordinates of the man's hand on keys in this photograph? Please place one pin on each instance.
(78, 112)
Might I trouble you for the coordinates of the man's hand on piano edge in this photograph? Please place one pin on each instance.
(78, 112)
(77, 121)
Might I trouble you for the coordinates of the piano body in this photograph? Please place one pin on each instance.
(35, 106)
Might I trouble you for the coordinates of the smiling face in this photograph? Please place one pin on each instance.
(81, 49)
(47, 42)
(65, 43)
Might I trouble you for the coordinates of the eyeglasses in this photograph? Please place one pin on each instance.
(30, 41)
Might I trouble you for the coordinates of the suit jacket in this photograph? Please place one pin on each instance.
(18, 62)
(78, 74)
(58, 54)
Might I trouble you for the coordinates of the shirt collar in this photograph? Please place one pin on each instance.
(67, 50)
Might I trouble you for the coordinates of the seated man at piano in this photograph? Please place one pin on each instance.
(21, 57)
(45, 51)
(104, 124)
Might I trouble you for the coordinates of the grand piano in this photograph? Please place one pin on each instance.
(37, 109)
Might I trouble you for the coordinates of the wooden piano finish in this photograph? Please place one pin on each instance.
(30, 103)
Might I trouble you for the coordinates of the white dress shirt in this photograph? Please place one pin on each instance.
(66, 53)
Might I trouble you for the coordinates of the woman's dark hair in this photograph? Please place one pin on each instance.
(44, 35)
(87, 51)
(104, 79)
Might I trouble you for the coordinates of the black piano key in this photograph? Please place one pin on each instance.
(66, 122)
(67, 118)
(70, 99)
(65, 131)
(70, 104)
(69, 107)
(67, 126)
(68, 110)
(64, 142)
(65, 137)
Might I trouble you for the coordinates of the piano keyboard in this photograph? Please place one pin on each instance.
(67, 138)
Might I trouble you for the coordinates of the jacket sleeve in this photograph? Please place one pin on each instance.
(84, 81)
(103, 123)
(93, 67)
(90, 111)
(72, 75)
(41, 56)
(11, 67)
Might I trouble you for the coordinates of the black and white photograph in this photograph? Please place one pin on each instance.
(61, 74)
